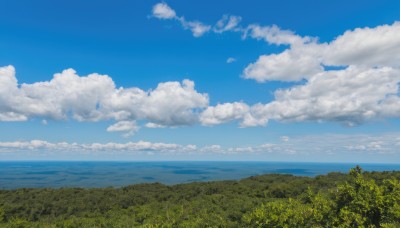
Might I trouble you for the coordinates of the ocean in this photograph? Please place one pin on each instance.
(17, 174)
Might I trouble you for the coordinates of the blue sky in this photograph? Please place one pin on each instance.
(200, 80)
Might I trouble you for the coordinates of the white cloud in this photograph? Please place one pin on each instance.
(8, 92)
(290, 65)
(64, 146)
(236, 111)
(367, 88)
(153, 125)
(66, 93)
(305, 56)
(95, 98)
(230, 60)
(254, 118)
(136, 146)
(174, 104)
(212, 148)
(369, 47)
(326, 144)
(12, 116)
(37, 144)
(197, 28)
(285, 138)
(163, 11)
(235, 150)
(300, 61)
(362, 47)
(223, 113)
(129, 127)
(274, 35)
(349, 96)
(305, 146)
(348, 144)
(227, 23)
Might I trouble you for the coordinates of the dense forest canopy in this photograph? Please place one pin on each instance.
(356, 199)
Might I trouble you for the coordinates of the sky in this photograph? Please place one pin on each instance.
(302, 81)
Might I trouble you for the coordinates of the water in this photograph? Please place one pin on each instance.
(105, 174)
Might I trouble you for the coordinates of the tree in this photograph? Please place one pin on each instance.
(2, 215)
(357, 203)
(364, 203)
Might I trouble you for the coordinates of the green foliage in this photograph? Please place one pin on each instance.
(358, 203)
(293, 213)
(367, 204)
(357, 199)
(2, 214)
(280, 213)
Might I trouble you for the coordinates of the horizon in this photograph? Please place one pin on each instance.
(89, 174)
(200, 161)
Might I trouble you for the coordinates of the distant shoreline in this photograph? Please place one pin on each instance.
(199, 161)
(93, 174)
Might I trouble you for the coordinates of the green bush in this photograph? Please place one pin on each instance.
(359, 203)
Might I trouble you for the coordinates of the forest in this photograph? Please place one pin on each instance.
(354, 199)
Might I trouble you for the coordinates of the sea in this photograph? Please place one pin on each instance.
(58, 174)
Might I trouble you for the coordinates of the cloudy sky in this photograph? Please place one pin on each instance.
(257, 80)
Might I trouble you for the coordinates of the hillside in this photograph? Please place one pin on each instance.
(272, 200)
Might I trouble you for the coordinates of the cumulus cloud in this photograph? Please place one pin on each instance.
(305, 57)
(223, 113)
(174, 104)
(366, 88)
(236, 111)
(8, 91)
(301, 60)
(369, 47)
(95, 97)
(163, 11)
(286, 66)
(349, 96)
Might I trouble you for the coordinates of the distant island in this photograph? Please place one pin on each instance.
(356, 199)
